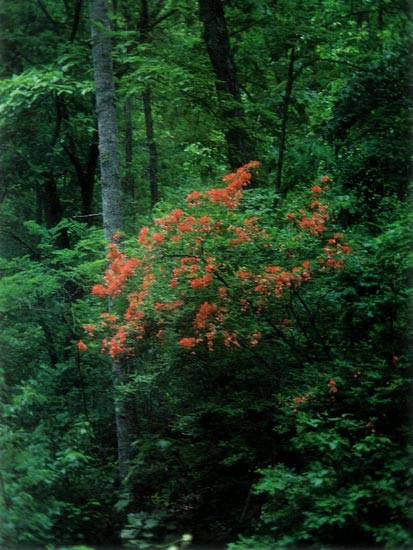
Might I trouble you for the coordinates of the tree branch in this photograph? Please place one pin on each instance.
(76, 19)
(326, 349)
(162, 18)
(57, 26)
(32, 249)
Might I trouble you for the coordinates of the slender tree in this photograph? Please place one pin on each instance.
(111, 199)
(145, 28)
(106, 117)
(129, 183)
(285, 109)
(217, 42)
(150, 138)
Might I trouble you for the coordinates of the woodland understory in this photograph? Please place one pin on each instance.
(206, 268)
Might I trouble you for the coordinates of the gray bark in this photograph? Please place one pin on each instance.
(125, 416)
(106, 116)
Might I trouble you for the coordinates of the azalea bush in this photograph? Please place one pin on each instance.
(215, 275)
(267, 359)
(228, 284)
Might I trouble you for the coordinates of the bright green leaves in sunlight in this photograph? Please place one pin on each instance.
(21, 92)
(49, 487)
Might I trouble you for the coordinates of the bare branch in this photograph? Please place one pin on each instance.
(88, 215)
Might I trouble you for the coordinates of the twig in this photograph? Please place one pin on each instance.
(87, 215)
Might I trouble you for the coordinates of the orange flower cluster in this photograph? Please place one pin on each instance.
(230, 339)
(274, 281)
(207, 320)
(314, 222)
(249, 231)
(194, 198)
(119, 271)
(108, 318)
(201, 282)
(298, 401)
(167, 306)
(176, 276)
(171, 219)
(90, 329)
(116, 344)
(204, 313)
(188, 343)
(184, 267)
(230, 195)
(332, 385)
(81, 346)
(174, 226)
(255, 338)
(334, 252)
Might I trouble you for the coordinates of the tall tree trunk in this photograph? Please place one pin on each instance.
(217, 42)
(111, 205)
(284, 120)
(77, 7)
(153, 161)
(129, 179)
(49, 194)
(88, 183)
(52, 208)
(85, 171)
(144, 28)
(106, 117)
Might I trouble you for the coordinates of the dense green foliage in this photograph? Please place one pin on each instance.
(265, 325)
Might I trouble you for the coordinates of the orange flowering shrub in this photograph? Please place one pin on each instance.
(211, 275)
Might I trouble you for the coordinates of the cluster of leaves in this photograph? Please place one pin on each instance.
(57, 444)
(370, 132)
(344, 475)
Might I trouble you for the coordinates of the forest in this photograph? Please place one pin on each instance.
(206, 267)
